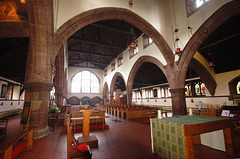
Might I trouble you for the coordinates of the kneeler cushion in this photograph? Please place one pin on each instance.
(81, 147)
(18, 149)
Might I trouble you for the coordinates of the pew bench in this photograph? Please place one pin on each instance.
(16, 146)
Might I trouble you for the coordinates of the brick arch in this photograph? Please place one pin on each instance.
(91, 16)
(224, 13)
(116, 75)
(134, 70)
(105, 92)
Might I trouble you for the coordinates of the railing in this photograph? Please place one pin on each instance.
(8, 150)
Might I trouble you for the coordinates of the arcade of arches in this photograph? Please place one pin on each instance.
(178, 77)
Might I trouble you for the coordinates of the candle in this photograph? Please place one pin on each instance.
(159, 114)
(190, 111)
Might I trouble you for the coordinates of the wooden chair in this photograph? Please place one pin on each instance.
(3, 127)
(74, 149)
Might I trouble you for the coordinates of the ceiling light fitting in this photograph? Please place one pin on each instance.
(132, 45)
(211, 64)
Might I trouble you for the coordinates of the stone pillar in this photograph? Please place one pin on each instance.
(59, 79)
(38, 94)
(111, 100)
(38, 82)
(129, 98)
(178, 101)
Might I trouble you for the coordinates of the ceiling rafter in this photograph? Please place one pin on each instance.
(96, 42)
(112, 28)
(79, 52)
(91, 61)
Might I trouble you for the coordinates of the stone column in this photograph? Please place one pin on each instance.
(129, 98)
(38, 94)
(59, 79)
(111, 100)
(178, 101)
(38, 82)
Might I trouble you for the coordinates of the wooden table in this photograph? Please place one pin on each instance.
(175, 136)
(91, 117)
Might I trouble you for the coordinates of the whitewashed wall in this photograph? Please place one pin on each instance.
(163, 15)
(156, 12)
(181, 21)
(9, 105)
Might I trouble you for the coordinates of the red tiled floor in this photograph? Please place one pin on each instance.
(129, 139)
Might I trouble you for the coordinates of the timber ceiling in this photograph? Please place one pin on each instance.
(98, 44)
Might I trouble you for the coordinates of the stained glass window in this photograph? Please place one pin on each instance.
(188, 90)
(85, 82)
(197, 89)
(203, 89)
(238, 88)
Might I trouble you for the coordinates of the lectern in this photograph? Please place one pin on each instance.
(91, 140)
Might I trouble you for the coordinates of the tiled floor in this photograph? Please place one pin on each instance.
(128, 139)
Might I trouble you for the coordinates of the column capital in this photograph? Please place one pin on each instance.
(176, 90)
(37, 86)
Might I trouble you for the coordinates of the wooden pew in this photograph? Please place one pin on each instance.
(127, 112)
(74, 149)
(3, 127)
(8, 151)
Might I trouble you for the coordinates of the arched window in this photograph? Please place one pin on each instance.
(85, 82)
(238, 88)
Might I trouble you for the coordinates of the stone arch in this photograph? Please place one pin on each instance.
(232, 87)
(224, 13)
(105, 93)
(116, 75)
(134, 70)
(94, 15)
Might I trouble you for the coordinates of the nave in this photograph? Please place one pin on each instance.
(125, 139)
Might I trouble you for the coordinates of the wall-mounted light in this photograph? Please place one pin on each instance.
(23, 1)
(130, 2)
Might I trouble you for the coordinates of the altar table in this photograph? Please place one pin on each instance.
(174, 137)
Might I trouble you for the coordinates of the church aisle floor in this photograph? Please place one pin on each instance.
(128, 139)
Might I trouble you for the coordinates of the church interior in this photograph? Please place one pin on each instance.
(119, 79)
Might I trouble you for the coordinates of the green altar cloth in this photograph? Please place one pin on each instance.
(167, 134)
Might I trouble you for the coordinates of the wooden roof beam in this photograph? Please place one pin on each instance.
(96, 43)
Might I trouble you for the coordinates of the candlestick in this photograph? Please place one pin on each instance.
(190, 112)
(159, 114)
